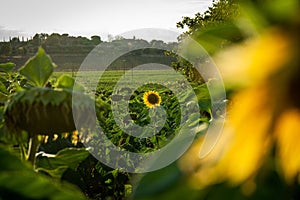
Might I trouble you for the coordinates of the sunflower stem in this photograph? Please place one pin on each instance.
(33, 145)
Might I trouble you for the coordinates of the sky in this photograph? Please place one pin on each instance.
(93, 17)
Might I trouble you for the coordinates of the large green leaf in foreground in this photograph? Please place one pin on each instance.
(38, 69)
(19, 181)
(64, 159)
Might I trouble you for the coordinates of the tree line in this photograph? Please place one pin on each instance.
(66, 51)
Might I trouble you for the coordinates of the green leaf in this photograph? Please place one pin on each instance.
(166, 183)
(203, 96)
(19, 181)
(283, 10)
(55, 173)
(3, 98)
(212, 39)
(158, 181)
(67, 82)
(7, 67)
(3, 88)
(64, 159)
(38, 69)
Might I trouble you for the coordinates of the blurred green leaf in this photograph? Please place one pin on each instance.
(3, 88)
(251, 20)
(7, 67)
(67, 82)
(213, 38)
(19, 181)
(167, 183)
(64, 159)
(203, 96)
(155, 182)
(64, 81)
(38, 69)
(283, 10)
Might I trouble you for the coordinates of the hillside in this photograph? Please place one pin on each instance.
(68, 52)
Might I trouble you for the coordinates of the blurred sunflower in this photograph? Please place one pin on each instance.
(151, 99)
(263, 121)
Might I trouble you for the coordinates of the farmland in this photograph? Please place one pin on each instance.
(133, 112)
(110, 78)
(138, 111)
(214, 116)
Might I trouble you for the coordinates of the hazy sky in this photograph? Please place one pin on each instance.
(92, 17)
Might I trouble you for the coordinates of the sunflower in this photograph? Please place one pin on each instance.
(151, 99)
(264, 118)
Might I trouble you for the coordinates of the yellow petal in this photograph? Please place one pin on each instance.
(254, 60)
(243, 143)
(250, 120)
(288, 140)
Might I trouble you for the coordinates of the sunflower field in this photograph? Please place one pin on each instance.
(38, 126)
(65, 135)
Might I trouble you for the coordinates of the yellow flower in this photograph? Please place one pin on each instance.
(242, 145)
(151, 99)
(255, 59)
(287, 137)
(263, 119)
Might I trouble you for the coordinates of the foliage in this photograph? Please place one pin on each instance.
(39, 69)
(213, 30)
(152, 183)
(65, 159)
(256, 156)
(37, 104)
(26, 114)
(7, 67)
(66, 51)
(19, 181)
(219, 13)
(39, 98)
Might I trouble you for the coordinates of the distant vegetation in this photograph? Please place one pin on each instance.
(68, 52)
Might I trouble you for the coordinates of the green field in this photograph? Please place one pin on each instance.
(138, 112)
(107, 79)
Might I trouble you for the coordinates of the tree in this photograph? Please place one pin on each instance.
(157, 43)
(221, 11)
(213, 30)
(96, 39)
(53, 39)
(5, 49)
(119, 37)
(36, 40)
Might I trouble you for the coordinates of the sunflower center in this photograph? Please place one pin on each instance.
(153, 99)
